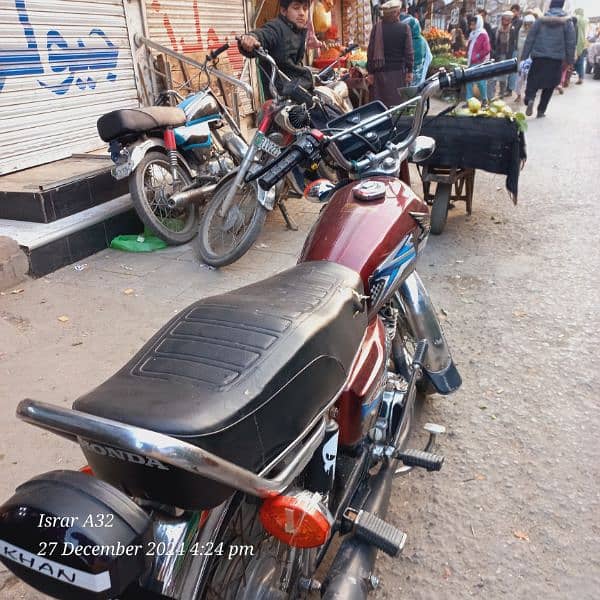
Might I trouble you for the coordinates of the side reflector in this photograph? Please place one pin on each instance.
(87, 470)
(298, 519)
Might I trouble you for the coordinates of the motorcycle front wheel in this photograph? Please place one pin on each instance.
(223, 240)
(150, 187)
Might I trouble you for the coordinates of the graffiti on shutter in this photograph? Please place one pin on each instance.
(67, 65)
(194, 29)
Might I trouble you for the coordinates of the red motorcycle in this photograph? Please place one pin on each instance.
(255, 425)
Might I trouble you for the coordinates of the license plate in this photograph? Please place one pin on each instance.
(262, 142)
(121, 171)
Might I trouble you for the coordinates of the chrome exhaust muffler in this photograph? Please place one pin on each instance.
(195, 195)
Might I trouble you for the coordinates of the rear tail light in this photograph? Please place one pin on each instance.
(298, 519)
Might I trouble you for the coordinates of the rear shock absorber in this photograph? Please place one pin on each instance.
(171, 146)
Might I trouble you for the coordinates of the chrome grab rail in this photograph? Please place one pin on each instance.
(140, 39)
(75, 424)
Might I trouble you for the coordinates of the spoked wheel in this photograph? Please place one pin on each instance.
(263, 568)
(223, 240)
(151, 186)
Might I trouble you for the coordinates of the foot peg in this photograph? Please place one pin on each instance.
(375, 531)
(421, 458)
(424, 459)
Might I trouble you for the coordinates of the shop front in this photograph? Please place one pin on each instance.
(194, 28)
(62, 64)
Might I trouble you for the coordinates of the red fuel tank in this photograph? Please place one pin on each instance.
(360, 234)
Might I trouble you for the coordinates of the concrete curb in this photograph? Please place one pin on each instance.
(14, 263)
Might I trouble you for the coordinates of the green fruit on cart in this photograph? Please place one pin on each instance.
(474, 105)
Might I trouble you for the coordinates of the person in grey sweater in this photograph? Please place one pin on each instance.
(550, 42)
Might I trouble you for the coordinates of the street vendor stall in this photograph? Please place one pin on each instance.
(463, 145)
(439, 43)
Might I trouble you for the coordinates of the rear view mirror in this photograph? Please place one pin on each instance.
(422, 148)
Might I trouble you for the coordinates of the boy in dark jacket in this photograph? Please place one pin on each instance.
(284, 38)
(550, 42)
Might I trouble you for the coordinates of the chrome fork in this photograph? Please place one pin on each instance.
(239, 178)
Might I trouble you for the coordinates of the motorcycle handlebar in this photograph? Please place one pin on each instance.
(477, 73)
(305, 148)
(312, 144)
(214, 53)
(281, 167)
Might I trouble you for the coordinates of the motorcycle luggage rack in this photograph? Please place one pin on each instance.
(73, 425)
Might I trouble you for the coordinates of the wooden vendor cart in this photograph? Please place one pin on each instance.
(445, 178)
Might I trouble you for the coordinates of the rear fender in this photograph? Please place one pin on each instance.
(136, 151)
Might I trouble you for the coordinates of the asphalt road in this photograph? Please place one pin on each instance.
(515, 511)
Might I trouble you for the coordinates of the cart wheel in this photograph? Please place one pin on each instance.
(439, 208)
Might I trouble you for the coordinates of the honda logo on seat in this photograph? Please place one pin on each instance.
(110, 452)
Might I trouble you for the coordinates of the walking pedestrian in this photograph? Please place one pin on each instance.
(502, 51)
(390, 55)
(463, 22)
(478, 52)
(515, 28)
(582, 25)
(550, 42)
(567, 69)
(458, 41)
(524, 65)
(488, 28)
(422, 53)
(594, 59)
(491, 31)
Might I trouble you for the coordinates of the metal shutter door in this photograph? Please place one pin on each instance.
(193, 27)
(63, 63)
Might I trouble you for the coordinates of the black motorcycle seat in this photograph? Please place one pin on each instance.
(242, 374)
(133, 121)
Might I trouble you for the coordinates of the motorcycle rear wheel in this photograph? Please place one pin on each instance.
(150, 187)
(270, 573)
(223, 240)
